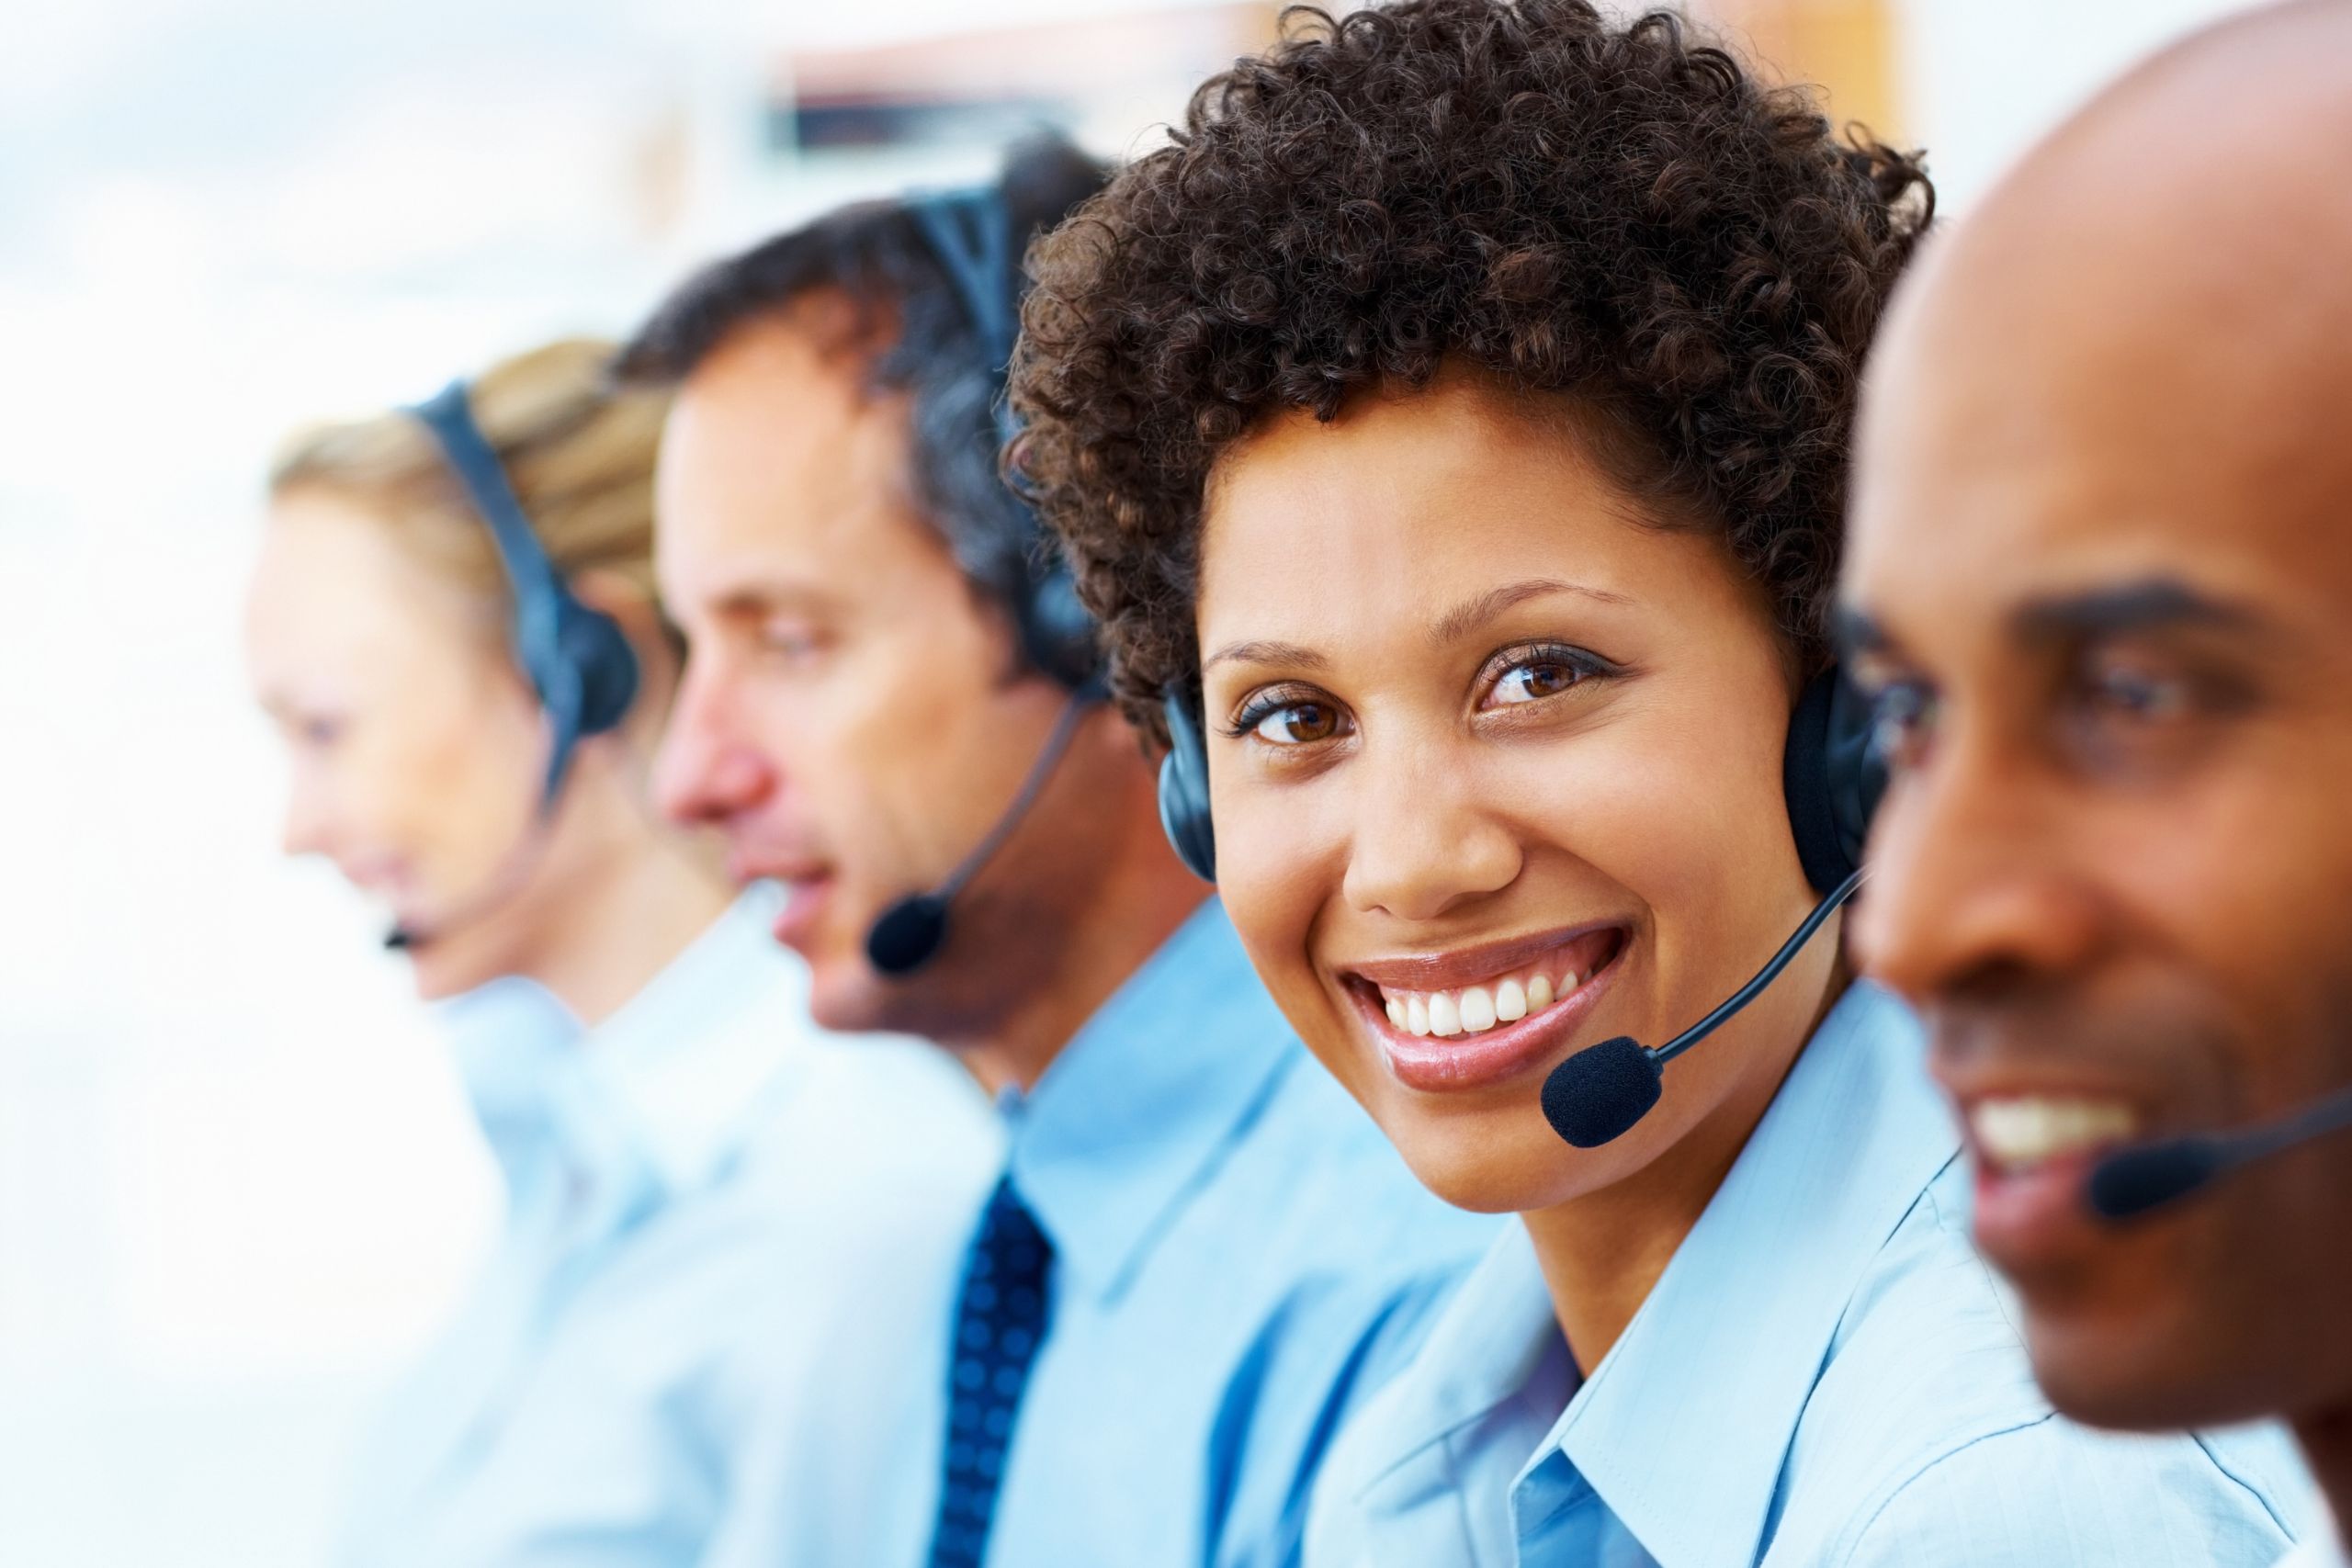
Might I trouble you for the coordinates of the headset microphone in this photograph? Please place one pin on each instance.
(909, 933)
(2132, 1183)
(972, 234)
(1598, 1094)
(1831, 777)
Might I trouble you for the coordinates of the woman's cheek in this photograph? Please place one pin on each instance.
(1280, 866)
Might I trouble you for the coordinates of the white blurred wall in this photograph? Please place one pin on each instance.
(237, 1184)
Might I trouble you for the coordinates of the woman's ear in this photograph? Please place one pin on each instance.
(640, 617)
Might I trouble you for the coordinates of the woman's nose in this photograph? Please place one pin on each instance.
(1422, 842)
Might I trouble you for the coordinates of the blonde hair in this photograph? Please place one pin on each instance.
(577, 446)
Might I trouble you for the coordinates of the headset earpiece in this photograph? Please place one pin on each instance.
(1184, 789)
(1057, 632)
(594, 646)
(970, 232)
(1833, 776)
(578, 659)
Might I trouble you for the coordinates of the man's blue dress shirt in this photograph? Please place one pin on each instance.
(704, 1195)
(1825, 1374)
(1238, 1258)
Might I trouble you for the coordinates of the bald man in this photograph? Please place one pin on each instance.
(2101, 580)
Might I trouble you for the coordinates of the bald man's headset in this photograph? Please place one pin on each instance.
(578, 659)
(970, 234)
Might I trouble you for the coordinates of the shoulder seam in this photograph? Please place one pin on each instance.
(1861, 1531)
(1992, 1286)
(2256, 1493)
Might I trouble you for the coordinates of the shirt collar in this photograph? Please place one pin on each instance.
(667, 1088)
(1684, 1427)
(1140, 1108)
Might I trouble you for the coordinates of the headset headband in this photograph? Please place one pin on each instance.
(970, 234)
(576, 659)
(967, 230)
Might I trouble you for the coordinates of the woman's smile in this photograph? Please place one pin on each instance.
(1471, 1017)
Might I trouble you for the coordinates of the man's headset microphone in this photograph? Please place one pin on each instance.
(1832, 776)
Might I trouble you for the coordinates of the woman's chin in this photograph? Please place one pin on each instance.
(437, 980)
(1501, 1165)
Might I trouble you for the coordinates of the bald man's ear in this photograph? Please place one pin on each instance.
(651, 637)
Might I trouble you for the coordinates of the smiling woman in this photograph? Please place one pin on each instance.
(1453, 422)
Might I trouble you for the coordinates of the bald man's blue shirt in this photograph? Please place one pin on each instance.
(1238, 1258)
(702, 1193)
(1825, 1374)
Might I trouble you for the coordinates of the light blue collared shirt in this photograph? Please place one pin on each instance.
(1825, 1374)
(702, 1193)
(1238, 1258)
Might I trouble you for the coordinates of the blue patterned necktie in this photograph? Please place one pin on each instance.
(1000, 1320)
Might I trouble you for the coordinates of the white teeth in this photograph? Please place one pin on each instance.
(1475, 1008)
(1445, 1018)
(2026, 1130)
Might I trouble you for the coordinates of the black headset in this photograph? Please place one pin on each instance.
(1831, 775)
(970, 232)
(578, 659)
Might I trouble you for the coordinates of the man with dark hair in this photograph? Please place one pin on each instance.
(1200, 1253)
(2101, 581)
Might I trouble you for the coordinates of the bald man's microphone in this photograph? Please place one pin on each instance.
(2140, 1179)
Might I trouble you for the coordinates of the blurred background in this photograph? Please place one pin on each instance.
(238, 1180)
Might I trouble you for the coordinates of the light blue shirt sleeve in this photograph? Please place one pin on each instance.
(703, 1191)
(2051, 1492)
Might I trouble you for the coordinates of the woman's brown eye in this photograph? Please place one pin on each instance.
(1296, 724)
(1534, 681)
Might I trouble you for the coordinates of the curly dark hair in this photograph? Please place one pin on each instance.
(1571, 204)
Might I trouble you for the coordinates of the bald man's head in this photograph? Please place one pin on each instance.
(2100, 565)
(2169, 280)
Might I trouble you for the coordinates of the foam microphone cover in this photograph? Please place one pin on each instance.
(1600, 1091)
(909, 933)
(2130, 1182)
(398, 938)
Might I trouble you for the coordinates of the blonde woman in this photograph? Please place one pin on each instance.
(453, 627)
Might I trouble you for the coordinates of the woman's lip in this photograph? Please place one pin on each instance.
(804, 901)
(1469, 966)
(1490, 1056)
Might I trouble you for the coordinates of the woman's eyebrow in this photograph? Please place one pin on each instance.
(1458, 622)
(1286, 653)
(1469, 616)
